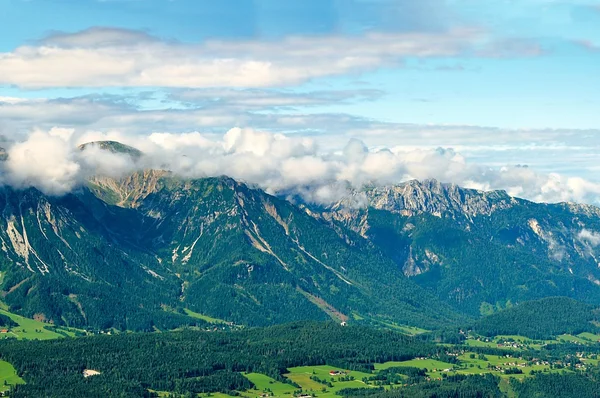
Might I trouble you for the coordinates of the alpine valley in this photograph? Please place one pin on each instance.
(155, 251)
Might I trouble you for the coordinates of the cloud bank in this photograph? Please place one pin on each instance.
(113, 57)
(290, 165)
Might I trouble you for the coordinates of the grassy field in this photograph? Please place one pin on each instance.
(28, 329)
(571, 339)
(468, 366)
(494, 342)
(8, 376)
(302, 376)
(428, 364)
(205, 318)
(410, 330)
(265, 384)
(31, 329)
(582, 338)
(590, 336)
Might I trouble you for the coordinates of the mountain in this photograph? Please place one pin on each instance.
(154, 251)
(113, 147)
(480, 251)
(276, 262)
(432, 197)
(140, 252)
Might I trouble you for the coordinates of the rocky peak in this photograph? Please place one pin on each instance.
(128, 190)
(112, 146)
(431, 196)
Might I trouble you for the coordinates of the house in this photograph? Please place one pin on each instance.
(344, 323)
(335, 373)
(3, 330)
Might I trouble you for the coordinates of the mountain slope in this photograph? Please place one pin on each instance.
(62, 264)
(481, 250)
(545, 318)
(136, 252)
(276, 262)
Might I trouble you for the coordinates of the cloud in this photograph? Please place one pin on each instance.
(588, 45)
(261, 99)
(590, 237)
(293, 166)
(97, 37)
(43, 161)
(578, 150)
(109, 57)
(42, 112)
(181, 110)
(50, 162)
(514, 47)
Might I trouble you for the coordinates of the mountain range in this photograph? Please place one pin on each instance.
(152, 250)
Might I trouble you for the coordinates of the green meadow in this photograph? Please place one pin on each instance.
(205, 318)
(8, 376)
(30, 329)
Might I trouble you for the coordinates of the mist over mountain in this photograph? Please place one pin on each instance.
(291, 165)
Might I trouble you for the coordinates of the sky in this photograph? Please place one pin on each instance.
(490, 94)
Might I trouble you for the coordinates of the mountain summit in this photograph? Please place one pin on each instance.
(113, 147)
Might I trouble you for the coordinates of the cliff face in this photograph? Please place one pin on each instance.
(430, 196)
(479, 250)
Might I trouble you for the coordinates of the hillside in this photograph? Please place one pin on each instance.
(65, 261)
(277, 263)
(480, 251)
(542, 319)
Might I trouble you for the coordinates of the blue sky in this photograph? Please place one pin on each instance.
(555, 88)
(495, 80)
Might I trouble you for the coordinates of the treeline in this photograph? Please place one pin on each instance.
(6, 321)
(564, 385)
(458, 386)
(541, 319)
(194, 361)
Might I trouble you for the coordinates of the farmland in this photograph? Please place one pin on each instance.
(27, 329)
(304, 359)
(30, 329)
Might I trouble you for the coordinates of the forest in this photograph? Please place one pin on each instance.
(541, 319)
(197, 361)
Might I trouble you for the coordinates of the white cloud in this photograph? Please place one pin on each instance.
(107, 57)
(269, 98)
(578, 151)
(288, 165)
(45, 161)
(589, 237)
(51, 162)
